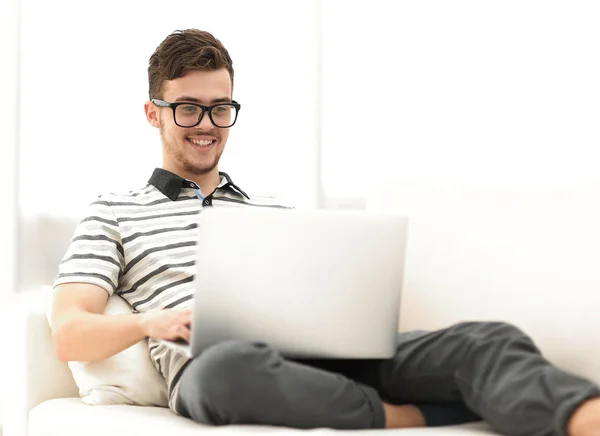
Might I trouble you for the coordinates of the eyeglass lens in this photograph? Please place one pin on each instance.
(187, 115)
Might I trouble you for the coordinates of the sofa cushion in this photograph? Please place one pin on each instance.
(128, 377)
(70, 417)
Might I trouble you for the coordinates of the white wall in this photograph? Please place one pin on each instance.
(463, 92)
(8, 127)
(9, 12)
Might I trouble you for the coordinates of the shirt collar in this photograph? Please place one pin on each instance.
(171, 184)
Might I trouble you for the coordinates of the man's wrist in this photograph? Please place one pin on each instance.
(140, 322)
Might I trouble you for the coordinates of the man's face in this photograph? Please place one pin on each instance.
(195, 150)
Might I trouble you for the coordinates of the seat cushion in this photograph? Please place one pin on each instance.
(70, 417)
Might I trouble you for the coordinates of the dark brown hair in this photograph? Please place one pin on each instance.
(184, 51)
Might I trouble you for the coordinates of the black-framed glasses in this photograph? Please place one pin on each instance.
(187, 115)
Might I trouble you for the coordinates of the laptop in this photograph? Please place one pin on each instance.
(310, 284)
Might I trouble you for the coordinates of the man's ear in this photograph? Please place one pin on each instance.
(151, 114)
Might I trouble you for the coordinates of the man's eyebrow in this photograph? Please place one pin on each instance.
(195, 100)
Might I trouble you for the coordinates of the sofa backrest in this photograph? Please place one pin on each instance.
(43, 241)
(527, 256)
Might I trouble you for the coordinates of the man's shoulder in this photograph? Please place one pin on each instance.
(270, 200)
(132, 197)
(254, 199)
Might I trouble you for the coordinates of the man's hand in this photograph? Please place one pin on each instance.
(168, 324)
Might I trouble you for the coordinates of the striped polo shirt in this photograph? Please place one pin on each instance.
(141, 246)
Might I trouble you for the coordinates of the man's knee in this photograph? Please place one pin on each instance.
(503, 334)
(489, 329)
(220, 374)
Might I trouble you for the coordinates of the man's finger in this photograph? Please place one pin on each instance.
(185, 332)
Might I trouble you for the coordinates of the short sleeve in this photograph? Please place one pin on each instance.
(95, 255)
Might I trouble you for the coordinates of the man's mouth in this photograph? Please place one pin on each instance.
(201, 143)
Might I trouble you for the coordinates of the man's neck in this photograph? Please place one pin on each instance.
(208, 182)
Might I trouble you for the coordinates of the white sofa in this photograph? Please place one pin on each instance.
(528, 257)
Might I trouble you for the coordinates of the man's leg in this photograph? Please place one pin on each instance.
(243, 383)
(495, 368)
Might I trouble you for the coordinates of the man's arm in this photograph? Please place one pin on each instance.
(81, 332)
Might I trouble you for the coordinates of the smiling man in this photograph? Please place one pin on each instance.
(140, 245)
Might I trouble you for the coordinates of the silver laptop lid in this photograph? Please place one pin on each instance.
(309, 283)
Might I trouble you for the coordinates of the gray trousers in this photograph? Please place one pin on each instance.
(470, 370)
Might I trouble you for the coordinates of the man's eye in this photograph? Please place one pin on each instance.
(221, 109)
(189, 109)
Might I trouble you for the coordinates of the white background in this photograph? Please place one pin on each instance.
(461, 91)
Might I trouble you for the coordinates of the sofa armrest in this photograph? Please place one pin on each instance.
(31, 373)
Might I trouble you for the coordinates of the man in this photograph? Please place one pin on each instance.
(141, 246)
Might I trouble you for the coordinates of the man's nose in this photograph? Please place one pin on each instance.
(205, 122)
